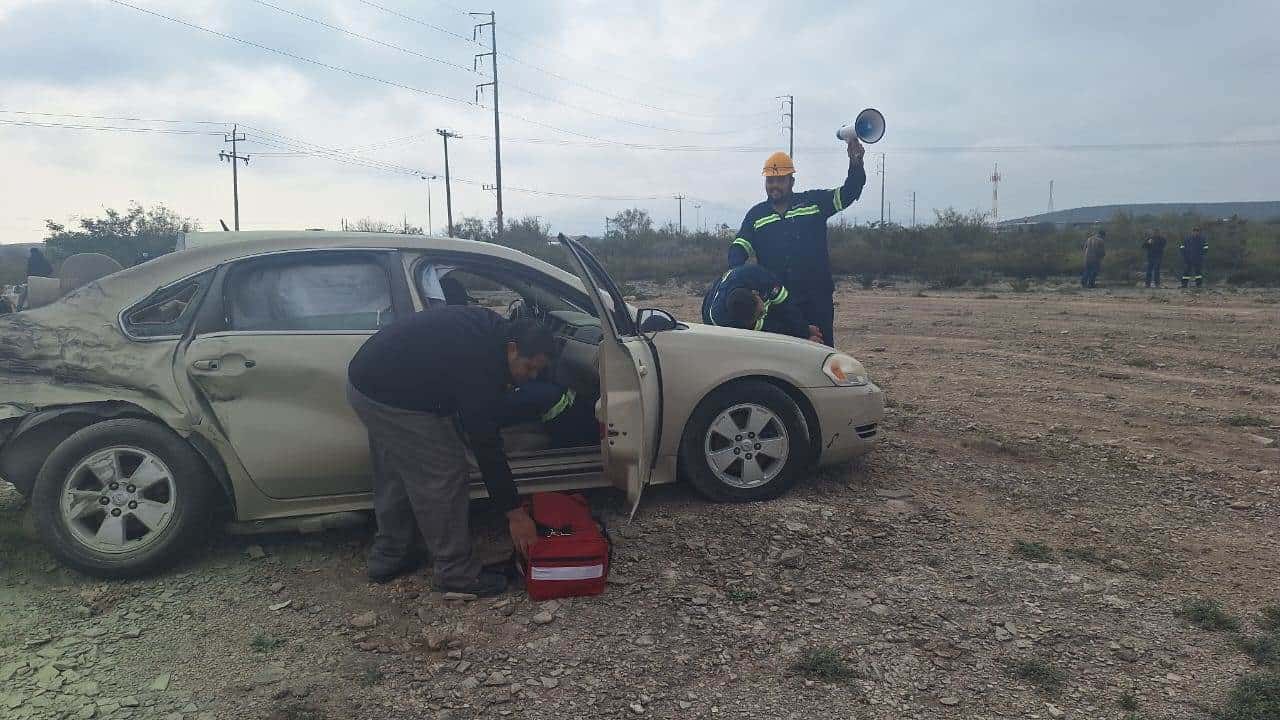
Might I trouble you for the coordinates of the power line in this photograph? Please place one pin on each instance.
(601, 143)
(559, 76)
(527, 39)
(112, 117)
(105, 128)
(355, 73)
(423, 23)
(308, 149)
(366, 38)
(293, 56)
(494, 54)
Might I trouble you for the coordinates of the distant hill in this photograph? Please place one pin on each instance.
(1257, 211)
(17, 250)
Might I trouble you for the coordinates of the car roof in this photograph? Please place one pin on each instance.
(228, 246)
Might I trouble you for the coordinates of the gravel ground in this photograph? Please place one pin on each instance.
(1061, 472)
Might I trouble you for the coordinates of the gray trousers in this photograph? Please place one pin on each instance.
(420, 473)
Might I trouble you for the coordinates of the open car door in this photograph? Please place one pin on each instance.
(630, 381)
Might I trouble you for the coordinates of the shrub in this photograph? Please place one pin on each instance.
(824, 664)
(1208, 614)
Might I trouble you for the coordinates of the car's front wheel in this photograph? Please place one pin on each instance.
(745, 441)
(122, 498)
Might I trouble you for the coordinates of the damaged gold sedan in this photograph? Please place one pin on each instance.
(209, 383)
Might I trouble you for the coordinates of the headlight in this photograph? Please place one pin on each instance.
(844, 370)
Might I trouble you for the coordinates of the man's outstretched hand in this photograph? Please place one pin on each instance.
(856, 151)
(523, 532)
(815, 334)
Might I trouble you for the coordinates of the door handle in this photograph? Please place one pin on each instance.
(207, 365)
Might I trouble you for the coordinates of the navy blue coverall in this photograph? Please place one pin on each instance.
(1193, 249)
(793, 246)
(781, 315)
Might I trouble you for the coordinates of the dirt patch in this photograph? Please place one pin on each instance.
(1045, 530)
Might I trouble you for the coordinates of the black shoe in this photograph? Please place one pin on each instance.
(384, 571)
(486, 584)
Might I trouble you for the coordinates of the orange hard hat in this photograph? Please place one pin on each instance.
(779, 164)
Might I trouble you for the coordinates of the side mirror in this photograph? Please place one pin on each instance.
(652, 320)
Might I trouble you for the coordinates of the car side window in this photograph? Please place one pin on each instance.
(450, 281)
(167, 311)
(309, 292)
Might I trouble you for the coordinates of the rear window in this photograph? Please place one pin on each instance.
(314, 292)
(167, 311)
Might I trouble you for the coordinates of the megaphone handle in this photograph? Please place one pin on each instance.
(856, 150)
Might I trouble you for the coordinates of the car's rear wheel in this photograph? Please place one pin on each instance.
(122, 498)
(745, 441)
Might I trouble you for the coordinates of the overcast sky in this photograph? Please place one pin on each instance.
(668, 73)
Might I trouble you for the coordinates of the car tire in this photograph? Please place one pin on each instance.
(746, 441)
(122, 499)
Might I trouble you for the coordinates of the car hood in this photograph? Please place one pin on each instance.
(72, 351)
(730, 352)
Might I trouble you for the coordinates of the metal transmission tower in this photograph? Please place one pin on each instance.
(448, 187)
(1050, 196)
(232, 157)
(881, 189)
(497, 131)
(995, 198)
(790, 115)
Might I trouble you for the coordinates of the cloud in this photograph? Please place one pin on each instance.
(1007, 73)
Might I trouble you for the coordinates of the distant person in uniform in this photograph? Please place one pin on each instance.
(1194, 248)
(1154, 247)
(38, 265)
(1095, 248)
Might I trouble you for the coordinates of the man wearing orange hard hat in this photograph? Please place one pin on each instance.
(787, 234)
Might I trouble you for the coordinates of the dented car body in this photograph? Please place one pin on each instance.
(214, 377)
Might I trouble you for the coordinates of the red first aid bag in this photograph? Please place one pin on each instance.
(571, 556)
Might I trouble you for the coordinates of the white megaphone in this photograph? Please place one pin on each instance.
(867, 127)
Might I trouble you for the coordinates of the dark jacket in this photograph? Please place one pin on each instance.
(780, 312)
(1154, 245)
(448, 361)
(1194, 247)
(38, 265)
(1095, 248)
(793, 246)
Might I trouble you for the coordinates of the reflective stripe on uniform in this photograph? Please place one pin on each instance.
(772, 217)
(779, 296)
(745, 245)
(565, 401)
(839, 205)
(806, 210)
